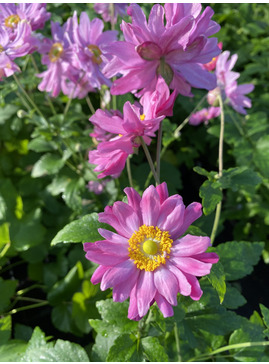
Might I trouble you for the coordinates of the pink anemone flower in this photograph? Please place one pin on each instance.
(176, 51)
(204, 115)
(110, 14)
(147, 258)
(231, 93)
(111, 155)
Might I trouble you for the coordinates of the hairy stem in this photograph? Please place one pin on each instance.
(177, 342)
(129, 171)
(158, 152)
(149, 160)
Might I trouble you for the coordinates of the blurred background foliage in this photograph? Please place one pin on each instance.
(43, 187)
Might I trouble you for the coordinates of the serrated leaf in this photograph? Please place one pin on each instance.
(261, 155)
(217, 279)
(265, 314)
(210, 197)
(101, 347)
(153, 349)
(233, 298)
(12, 351)
(238, 258)
(239, 176)
(124, 349)
(80, 231)
(204, 172)
(47, 164)
(114, 318)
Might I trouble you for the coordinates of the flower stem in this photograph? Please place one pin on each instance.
(4, 251)
(88, 100)
(158, 152)
(129, 171)
(67, 106)
(29, 98)
(24, 308)
(221, 138)
(177, 342)
(149, 160)
(181, 126)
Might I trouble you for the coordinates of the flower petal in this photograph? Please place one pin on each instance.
(192, 213)
(118, 274)
(184, 285)
(190, 245)
(98, 274)
(164, 305)
(192, 266)
(166, 284)
(145, 292)
(150, 206)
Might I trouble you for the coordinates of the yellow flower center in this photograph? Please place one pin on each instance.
(55, 52)
(96, 53)
(1, 49)
(12, 20)
(142, 117)
(149, 247)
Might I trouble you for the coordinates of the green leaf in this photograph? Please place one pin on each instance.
(240, 176)
(238, 258)
(80, 231)
(153, 350)
(124, 349)
(114, 318)
(204, 172)
(64, 289)
(265, 314)
(217, 279)
(40, 144)
(61, 317)
(233, 298)
(12, 351)
(72, 194)
(210, 197)
(248, 333)
(6, 112)
(5, 329)
(7, 289)
(47, 164)
(39, 350)
(101, 347)
(261, 155)
(4, 234)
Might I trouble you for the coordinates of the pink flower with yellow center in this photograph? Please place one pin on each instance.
(175, 50)
(147, 258)
(204, 115)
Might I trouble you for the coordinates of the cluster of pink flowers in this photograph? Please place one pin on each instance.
(17, 38)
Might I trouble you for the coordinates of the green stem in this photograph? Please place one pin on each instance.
(129, 171)
(88, 100)
(25, 290)
(35, 305)
(221, 138)
(181, 126)
(230, 347)
(158, 152)
(149, 160)
(29, 299)
(20, 86)
(4, 251)
(177, 342)
(67, 106)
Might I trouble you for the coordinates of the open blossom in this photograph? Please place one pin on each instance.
(204, 115)
(147, 258)
(105, 9)
(11, 15)
(58, 57)
(210, 66)
(232, 93)
(11, 49)
(89, 42)
(176, 51)
(110, 156)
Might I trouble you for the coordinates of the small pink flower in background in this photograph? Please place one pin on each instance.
(106, 11)
(210, 66)
(175, 51)
(97, 187)
(111, 155)
(204, 115)
(231, 93)
(89, 42)
(11, 49)
(147, 259)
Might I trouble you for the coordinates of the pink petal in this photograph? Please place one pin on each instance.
(111, 219)
(166, 284)
(134, 200)
(112, 248)
(184, 285)
(150, 206)
(155, 22)
(190, 245)
(98, 274)
(164, 306)
(192, 213)
(118, 274)
(122, 290)
(196, 291)
(127, 217)
(145, 292)
(97, 256)
(162, 191)
(207, 257)
(192, 266)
